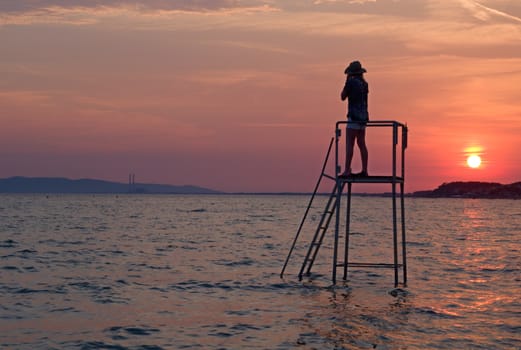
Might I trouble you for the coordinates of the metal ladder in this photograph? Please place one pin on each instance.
(324, 221)
(320, 232)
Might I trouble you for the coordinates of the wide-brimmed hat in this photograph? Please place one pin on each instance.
(355, 67)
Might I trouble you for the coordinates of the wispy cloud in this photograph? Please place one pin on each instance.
(319, 2)
(24, 97)
(278, 125)
(81, 12)
(440, 26)
(187, 5)
(255, 46)
(486, 13)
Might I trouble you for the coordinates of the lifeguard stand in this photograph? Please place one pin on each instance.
(333, 208)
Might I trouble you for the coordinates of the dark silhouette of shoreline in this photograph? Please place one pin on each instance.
(473, 189)
(20, 184)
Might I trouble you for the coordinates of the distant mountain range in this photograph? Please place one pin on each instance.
(19, 184)
(473, 189)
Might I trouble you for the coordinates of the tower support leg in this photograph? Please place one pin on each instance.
(404, 250)
(395, 237)
(337, 228)
(348, 219)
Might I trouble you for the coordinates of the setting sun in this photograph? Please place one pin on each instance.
(474, 161)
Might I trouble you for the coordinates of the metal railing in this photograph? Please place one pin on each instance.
(394, 178)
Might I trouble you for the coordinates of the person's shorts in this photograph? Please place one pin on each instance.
(355, 125)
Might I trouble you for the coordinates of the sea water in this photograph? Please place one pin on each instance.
(202, 272)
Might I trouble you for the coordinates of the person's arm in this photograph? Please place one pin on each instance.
(344, 93)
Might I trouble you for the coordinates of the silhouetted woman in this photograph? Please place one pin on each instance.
(356, 90)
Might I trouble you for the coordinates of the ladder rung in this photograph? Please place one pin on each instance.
(369, 265)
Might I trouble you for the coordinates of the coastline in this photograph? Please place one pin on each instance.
(56, 185)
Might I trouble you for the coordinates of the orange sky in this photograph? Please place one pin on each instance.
(244, 95)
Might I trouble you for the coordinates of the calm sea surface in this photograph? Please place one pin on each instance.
(202, 272)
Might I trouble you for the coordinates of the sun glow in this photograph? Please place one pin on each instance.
(474, 161)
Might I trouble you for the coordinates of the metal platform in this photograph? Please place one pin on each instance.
(371, 179)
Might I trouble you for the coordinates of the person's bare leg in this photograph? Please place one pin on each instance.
(364, 154)
(350, 145)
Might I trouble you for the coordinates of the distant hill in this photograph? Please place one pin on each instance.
(19, 184)
(473, 189)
